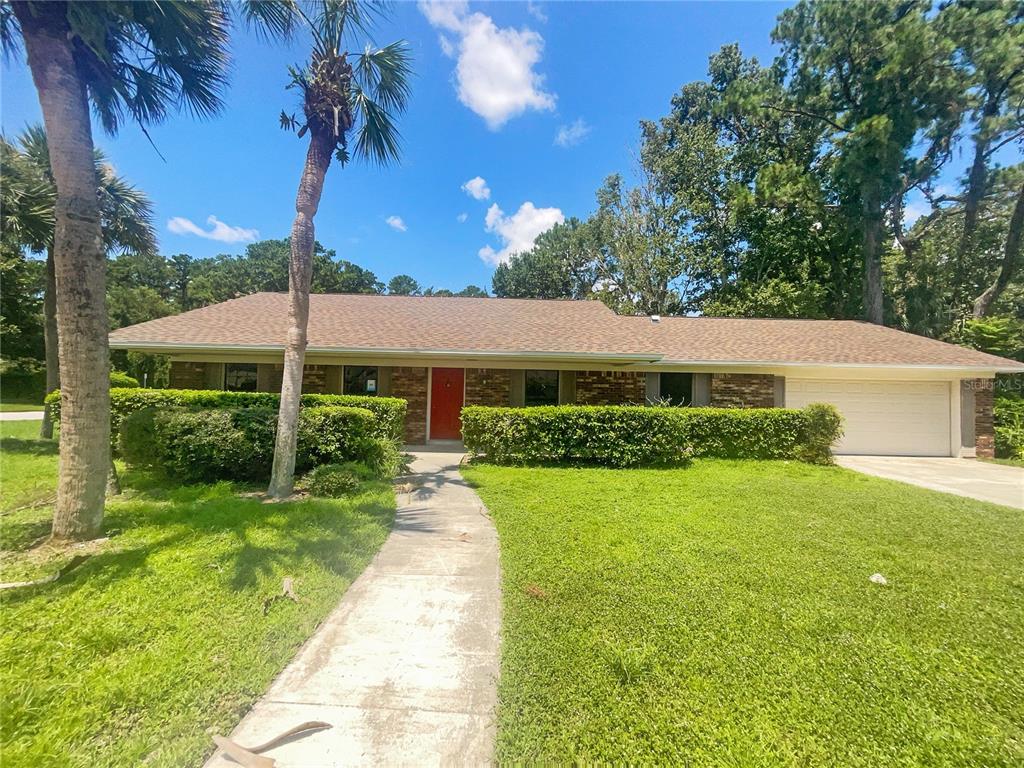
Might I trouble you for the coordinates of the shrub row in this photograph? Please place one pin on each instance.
(389, 412)
(631, 436)
(1008, 414)
(238, 443)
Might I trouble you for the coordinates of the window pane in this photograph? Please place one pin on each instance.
(677, 388)
(240, 377)
(542, 388)
(361, 380)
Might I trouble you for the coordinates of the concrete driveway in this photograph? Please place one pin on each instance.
(975, 479)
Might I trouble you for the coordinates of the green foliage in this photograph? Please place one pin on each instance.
(631, 436)
(121, 380)
(735, 597)
(560, 265)
(332, 434)
(1008, 415)
(384, 458)
(389, 412)
(1003, 336)
(332, 481)
(238, 443)
(403, 285)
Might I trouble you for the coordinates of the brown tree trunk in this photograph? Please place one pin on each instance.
(80, 274)
(50, 342)
(1011, 256)
(300, 270)
(872, 251)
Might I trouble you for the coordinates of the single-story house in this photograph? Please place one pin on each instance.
(900, 394)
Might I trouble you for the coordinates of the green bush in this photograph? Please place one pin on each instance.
(120, 379)
(389, 411)
(630, 436)
(384, 458)
(333, 434)
(332, 480)
(1008, 413)
(238, 443)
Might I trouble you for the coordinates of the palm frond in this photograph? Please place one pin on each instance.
(10, 33)
(377, 136)
(27, 200)
(385, 73)
(126, 213)
(336, 19)
(271, 18)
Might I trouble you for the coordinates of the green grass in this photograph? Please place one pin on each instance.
(19, 407)
(160, 638)
(1007, 462)
(723, 615)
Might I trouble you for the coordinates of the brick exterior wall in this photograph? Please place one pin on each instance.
(188, 375)
(410, 384)
(314, 379)
(488, 386)
(611, 388)
(742, 390)
(984, 429)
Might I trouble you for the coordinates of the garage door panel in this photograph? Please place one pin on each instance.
(909, 418)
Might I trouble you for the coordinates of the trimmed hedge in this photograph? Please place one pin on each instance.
(120, 379)
(1008, 414)
(389, 411)
(238, 443)
(632, 436)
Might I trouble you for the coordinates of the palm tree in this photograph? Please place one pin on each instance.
(134, 61)
(126, 218)
(341, 93)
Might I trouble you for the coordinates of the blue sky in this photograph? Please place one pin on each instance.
(515, 76)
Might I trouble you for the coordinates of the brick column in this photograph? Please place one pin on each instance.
(984, 428)
(488, 386)
(742, 390)
(611, 388)
(410, 384)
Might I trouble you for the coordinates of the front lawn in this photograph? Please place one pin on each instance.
(20, 408)
(723, 615)
(170, 631)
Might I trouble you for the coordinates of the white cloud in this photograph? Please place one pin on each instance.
(461, 218)
(572, 134)
(536, 11)
(218, 230)
(518, 231)
(494, 65)
(395, 222)
(477, 188)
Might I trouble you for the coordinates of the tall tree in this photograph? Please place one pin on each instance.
(880, 77)
(126, 216)
(403, 285)
(338, 96)
(132, 61)
(560, 265)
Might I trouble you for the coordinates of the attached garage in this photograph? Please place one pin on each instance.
(887, 418)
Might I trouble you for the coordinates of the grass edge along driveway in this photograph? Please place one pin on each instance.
(166, 634)
(723, 615)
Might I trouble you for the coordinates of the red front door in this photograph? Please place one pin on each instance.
(446, 403)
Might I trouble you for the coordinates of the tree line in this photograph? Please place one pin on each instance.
(782, 190)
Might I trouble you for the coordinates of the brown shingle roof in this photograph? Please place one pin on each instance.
(517, 326)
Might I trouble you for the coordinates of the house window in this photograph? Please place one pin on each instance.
(677, 388)
(361, 380)
(240, 377)
(541, 388)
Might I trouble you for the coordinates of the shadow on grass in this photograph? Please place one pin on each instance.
(245, 539)
(32, 447)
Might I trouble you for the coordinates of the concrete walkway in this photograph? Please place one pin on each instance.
(406, 667)
(21, 416)
(974, 479)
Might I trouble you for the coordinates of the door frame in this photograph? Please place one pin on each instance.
(430, 395)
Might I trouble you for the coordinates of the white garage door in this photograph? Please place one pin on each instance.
(888, 418)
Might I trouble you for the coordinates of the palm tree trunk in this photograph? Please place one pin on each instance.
(300, 270)
(872, 251)
(1011, 256)
(50, 342)
(79, 271)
